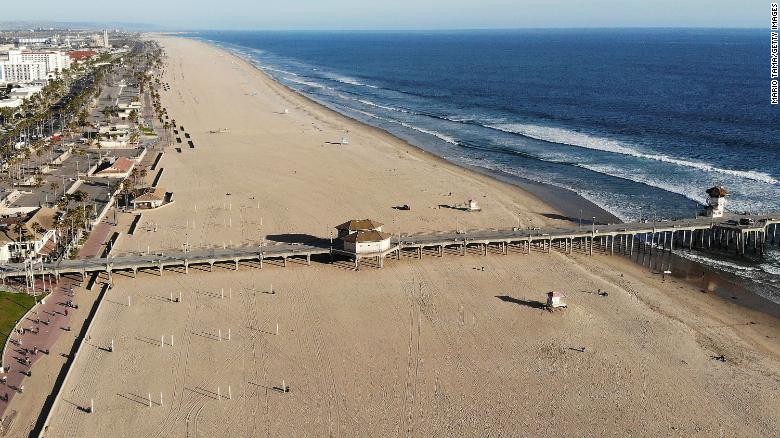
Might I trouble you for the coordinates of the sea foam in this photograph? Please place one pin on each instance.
(347, 80)
(389, 108)
(587, 141)
(306, 83)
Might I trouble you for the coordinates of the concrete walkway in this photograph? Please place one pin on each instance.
(36, 333)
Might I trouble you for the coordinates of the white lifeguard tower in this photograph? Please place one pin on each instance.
(554, 300)
(472, 205)
(716, 201)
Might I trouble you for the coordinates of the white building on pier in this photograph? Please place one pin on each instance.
(363, 236)
(367, 242)
(716, 201)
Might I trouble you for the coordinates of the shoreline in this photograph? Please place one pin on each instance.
(564, 201)
(567, 203)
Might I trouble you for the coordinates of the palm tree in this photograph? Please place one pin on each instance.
(21, 229)
(6, 114)
(79, 196)
(38, 228)
(82, 117)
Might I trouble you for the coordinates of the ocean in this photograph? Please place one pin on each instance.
(639, 122)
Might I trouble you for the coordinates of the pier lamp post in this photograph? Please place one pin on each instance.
(593, 224)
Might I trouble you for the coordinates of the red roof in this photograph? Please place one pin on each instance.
(121, 165)
(78, 55)
(48, 248)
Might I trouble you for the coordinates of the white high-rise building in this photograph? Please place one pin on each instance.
(105, 39)
(55, 61)
(22, 71)
(30, 41)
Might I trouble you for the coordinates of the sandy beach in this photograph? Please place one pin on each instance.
(450, 346)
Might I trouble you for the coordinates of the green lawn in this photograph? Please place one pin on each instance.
(12, 307)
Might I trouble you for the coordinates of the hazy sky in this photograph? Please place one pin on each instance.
(397, 14)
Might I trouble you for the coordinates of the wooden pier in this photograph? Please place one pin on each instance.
(160, 261)
(726, 234)
(737, 234)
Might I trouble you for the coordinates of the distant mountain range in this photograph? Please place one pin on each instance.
(76, 25)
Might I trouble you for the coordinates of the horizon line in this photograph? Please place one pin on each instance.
(460, 29)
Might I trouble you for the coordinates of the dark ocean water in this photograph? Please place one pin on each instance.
(640, 122)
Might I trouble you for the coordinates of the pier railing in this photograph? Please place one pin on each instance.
(740, 234)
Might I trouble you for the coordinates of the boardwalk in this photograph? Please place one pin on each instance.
(752, 233)
(37, 332)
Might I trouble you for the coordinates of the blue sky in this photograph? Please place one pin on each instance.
(398, 14)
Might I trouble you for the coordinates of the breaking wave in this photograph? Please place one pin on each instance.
(587, 141)
(347, 80)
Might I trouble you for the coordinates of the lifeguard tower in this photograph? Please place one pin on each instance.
(555, 300)
(716, 201)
